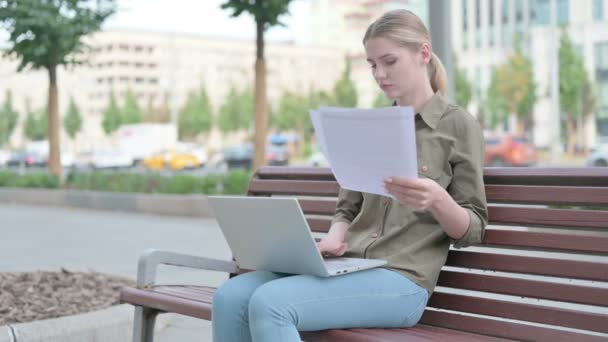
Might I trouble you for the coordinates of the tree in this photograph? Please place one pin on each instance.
(345, 94)
(572, 76)
(8, 118)
(111, 116)
(381, 101)
(515, 85)
(588, 106)
(35, 126)
(266, 14)
(196, 116)
(236, 111)
(292, 113)
(130, 113)
(464, 90)
(72, 122)
(160, 114)
(496, 110)
(47, 34)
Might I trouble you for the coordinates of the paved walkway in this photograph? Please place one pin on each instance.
(46, 238)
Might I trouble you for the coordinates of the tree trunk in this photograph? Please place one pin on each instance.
(261, 105)
(53, 127)
(571, 137)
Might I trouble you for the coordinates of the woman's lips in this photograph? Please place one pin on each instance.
(385, 86)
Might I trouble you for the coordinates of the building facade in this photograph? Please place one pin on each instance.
(159, 66)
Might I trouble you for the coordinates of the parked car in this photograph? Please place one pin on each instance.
(172, 159)
(318, 159)
(598, 156)
(509, 150)
(111, 159)
(4, 157)
(277, 154)
(240, 156)
(26, 158)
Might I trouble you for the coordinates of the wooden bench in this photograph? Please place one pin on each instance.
(541, 273)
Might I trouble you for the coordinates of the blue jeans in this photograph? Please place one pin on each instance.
(265, 306)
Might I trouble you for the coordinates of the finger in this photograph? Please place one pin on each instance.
(411, 183)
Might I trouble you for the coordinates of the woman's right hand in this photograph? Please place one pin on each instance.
(332, 246)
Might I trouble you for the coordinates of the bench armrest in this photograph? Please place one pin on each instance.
(151, 258)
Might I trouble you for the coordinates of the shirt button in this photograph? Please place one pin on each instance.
(374, 235)
(425, 168)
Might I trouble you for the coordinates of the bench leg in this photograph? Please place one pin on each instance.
(143, 324)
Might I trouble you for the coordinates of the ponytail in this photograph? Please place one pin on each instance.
(437, 75)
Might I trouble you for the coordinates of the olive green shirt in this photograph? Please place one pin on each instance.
(450, 148)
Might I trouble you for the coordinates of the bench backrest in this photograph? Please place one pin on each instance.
(543, 264)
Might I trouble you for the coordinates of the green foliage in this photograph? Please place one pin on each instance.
(8, 118)
(345, 94)
(515, 85)
(495, 107)
(72, 121)
(292, 113)
(196, 116)
(235, 182)
(464, 90)
(111, 116)
(267, 12)
(237, 110)
(572, 76)
(28, 180)
(381, 101)
(36, 124)
(43, 34)
(131, 113)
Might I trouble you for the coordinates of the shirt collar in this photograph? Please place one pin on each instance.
(433, 110)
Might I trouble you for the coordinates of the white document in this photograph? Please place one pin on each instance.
(366, 146)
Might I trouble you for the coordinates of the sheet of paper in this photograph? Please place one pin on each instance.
(366, 146)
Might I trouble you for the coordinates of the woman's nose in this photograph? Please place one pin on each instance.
(379, 73)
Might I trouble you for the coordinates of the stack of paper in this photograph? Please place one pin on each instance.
(366, 146)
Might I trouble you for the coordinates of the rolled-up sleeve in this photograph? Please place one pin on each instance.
(467, 187)
(348, 206)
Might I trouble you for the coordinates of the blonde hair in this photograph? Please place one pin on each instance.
(406, 29)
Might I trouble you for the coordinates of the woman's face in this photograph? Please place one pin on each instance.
(396, 69)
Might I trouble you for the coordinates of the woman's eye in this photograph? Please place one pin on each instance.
(373, 66)
(391, 62)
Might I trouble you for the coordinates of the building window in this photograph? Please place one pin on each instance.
(519, 11)
(506, 8)
(540, 12)
(601, 77)
(562, 11)
(465, 15)
(598, 10)
(477, 14)
(491, 12)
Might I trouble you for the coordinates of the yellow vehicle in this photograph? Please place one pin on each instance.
(173, 160)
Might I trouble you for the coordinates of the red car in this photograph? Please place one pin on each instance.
(509, 150)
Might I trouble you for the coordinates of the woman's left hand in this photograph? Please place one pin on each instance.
(418, 193)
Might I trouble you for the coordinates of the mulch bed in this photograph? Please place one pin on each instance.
(32, 296)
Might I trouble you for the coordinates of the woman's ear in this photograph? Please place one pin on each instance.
(426, 53)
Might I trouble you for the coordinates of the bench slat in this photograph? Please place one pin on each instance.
(196, 305)
(533, 240)
(301, 173)
(562, 176)
(521, 311)
(523, 287)
(548, 217)
(260, 187)
(504, 329)
(562, 268)
(319, 225)
(530, 194)
(318, 207)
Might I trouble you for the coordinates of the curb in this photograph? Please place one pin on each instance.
(112, 324)
(162, 204)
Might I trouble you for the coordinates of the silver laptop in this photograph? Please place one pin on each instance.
(272, 234)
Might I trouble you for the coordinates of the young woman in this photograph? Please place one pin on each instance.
(445, 204)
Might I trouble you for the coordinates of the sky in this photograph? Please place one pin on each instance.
(201, 17)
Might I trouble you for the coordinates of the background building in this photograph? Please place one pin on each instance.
(159, 66)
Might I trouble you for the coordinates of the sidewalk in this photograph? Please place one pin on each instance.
(50, 238)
